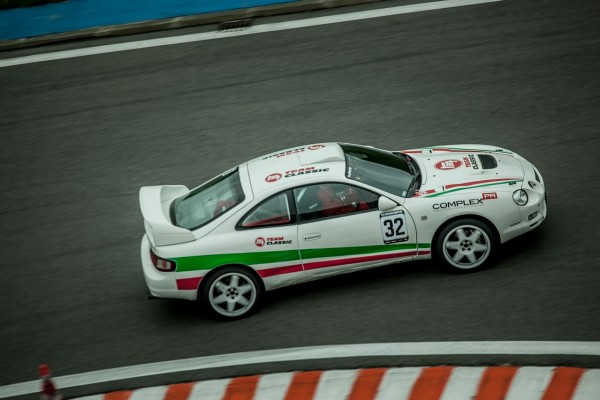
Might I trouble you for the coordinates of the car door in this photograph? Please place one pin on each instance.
(269, 232)
(341, 228)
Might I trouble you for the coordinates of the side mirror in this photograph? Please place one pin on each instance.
(385, 204)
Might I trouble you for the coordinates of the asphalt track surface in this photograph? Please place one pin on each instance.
(80, 136)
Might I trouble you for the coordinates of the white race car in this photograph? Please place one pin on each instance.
(314, 211)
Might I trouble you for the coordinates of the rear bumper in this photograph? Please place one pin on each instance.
(160, 284)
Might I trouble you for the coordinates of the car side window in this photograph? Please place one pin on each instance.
(273, 211)
(332, 199)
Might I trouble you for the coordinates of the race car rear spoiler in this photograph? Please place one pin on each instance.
(154, 203)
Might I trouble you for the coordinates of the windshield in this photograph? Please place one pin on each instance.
(208, 201)
(378, 168)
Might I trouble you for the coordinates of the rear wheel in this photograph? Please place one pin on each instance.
(466, 245)
(232, 292)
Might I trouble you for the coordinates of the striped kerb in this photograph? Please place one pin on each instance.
(426, 383)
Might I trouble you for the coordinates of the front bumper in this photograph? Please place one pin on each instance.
(536, 209)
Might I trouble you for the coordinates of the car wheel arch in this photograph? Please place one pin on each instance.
(213, 271)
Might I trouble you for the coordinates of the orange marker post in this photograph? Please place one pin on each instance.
(48, 388)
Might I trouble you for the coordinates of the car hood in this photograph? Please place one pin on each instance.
(453, 168)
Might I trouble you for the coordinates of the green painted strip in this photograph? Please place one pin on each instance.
(194, 263)
(205, 262)
(470, 187)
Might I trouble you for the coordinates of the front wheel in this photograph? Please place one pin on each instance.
(232, 292)
(466, 245)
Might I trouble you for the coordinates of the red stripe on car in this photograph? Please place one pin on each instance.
(353, 260)
(288, 269)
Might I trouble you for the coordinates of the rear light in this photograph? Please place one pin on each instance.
(162, 264)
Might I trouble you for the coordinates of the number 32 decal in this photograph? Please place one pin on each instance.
(393, 226)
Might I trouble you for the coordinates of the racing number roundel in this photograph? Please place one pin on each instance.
(260, 242)
(448, 164)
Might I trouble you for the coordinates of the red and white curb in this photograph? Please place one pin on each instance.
(410, 383)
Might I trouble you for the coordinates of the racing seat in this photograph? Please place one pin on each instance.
(331, 204)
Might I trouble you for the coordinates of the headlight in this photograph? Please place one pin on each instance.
(520, 197)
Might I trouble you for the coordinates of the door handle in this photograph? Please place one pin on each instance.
(312, 236)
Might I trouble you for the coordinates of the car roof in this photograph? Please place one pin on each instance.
(296, 165)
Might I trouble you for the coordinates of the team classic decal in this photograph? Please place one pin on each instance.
(304, 171)
(393, 226)
(294, 151)
(448, 164)
(295, 172)
(271, 241)
(470, 161)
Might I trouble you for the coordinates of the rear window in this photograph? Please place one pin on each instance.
(209, 201)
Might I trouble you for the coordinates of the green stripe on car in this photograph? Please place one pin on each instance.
(206, 262)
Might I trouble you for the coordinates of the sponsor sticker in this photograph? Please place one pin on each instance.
(489, 196)
(294, 172)
(273, 177)
(473, 161)
(294, 151)
(271, 241)
(304, 171)
(393, 226)
(448, 164)
(447, 205)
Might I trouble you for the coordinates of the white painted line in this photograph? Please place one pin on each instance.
(313, 353)
(150, 393)
(463, 383)
(397, 383)
(209, 390)
(589, 386)
(529, 383)
(273, 386)
(280, 26)
(335, 384)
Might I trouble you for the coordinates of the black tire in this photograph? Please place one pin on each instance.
(232, 292)
(466, 245)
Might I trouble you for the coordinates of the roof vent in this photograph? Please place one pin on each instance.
(487, 161)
